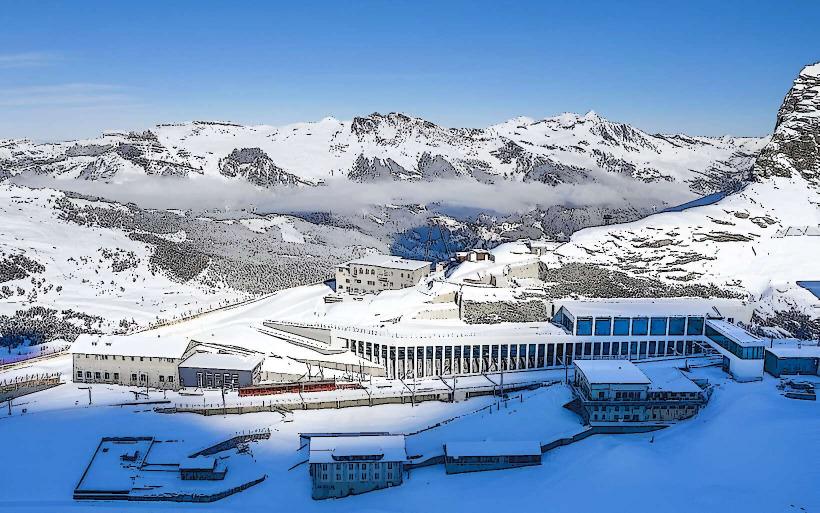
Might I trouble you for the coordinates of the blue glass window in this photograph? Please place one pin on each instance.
(583, 326)
(657, 326)
(640, 326)
(695, 326)
(621, 326)
(677, 325)
(603, 326)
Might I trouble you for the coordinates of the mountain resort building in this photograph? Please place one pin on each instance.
(618, 391)
(135, 360)
(374, 273)
(342, 465)
(462, 457)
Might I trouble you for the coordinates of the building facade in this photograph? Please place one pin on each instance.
(342, 465)
(375, 273)
(802, 360)
(205, 369)
(626, 329)
(618, 391)
(129, 360)
(460, 457)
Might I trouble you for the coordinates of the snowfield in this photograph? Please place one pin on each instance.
(750, 450)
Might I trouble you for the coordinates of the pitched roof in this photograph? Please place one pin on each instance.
(213, 360)
(140, 344)
(326, 449)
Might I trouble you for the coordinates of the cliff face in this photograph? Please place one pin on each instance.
(795, 145)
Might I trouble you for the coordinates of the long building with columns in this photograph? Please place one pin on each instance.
(638, 329)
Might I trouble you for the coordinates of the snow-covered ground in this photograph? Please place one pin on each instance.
(750, 450)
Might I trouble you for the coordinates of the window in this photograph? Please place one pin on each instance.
(170, 379)
(603, 326)
(694, 326)
(87, 374)
(640, 326)
(143, 377)
(107, 376)
(116, 376)
(133, 377)
(96, 375)
(677, 325)
(161, 378)
(583, 326)
(79, 374)
(621, 326)
(657, 326)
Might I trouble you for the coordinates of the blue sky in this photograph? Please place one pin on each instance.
(74, 69)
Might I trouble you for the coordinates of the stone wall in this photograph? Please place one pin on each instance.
(491, 312)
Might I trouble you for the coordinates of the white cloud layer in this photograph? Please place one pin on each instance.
(345, 197)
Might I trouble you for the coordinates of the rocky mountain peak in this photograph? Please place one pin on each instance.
(794, 148)
(256, 167)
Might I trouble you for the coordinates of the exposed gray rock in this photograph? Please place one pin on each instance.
(256, 167)
(795, 144)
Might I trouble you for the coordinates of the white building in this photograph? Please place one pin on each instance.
(630, 329)
(135, 360)
(374, 273)
(342, 465)
(618, 391)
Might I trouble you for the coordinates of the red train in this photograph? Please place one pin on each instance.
(294, 387)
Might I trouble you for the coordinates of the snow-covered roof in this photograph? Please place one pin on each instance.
(735, 332)
(389, 261)
(198, 463)
(795, 352)
(621, 372)
(208, 360)
(330, 449)
(493, 448)
(645, 307)
(669, 379)
(140, 344)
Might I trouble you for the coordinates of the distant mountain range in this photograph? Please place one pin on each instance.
(569, 148)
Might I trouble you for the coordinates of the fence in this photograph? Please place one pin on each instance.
(28, 384)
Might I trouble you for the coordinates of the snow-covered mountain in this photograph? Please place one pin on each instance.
(568, 148)
(756, 243)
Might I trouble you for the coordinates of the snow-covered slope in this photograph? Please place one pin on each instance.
(70, 264)
(564, 149)
(758, 242)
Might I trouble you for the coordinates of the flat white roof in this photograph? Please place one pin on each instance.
(669, 379)
(208, 360)
(389, 447)
(389, 261)
(493, 448)
(735, 332)
(642, 307)
(795, 352)
(600, 372)
(140, 344)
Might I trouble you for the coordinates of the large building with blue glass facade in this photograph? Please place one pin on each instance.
(631, 329)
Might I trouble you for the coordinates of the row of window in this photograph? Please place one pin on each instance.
(743, 352)
(639, 326)
(355, 469)
(142, 358)
(107, 376)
